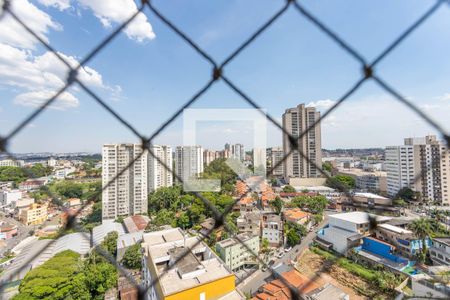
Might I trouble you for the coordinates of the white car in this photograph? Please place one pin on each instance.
(280, 255)
(287, 249)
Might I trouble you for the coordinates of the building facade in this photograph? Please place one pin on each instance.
(440, 251)
(235, 255)
(237, 151)
(160, 167)
(296, 121)
(421, 164)
(127, 194)
(276, 157)
(35, 214)
(188, 162)
(272, 230)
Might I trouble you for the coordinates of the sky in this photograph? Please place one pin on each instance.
(147, 72)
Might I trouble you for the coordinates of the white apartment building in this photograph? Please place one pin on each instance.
(188, 161)
(236, 255)
(272, 230)
(160, 167)
(8, 197)
(237, 151)
(127, 194)
(296, 121)
(11, 163)
(421, 164)
(445, 174)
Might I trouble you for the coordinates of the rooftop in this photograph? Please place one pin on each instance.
(295, 213)
(443, 240)
(395, 229)
(370, 195)
(195, 263)
(358, 217)
(233, 241)
(135, 223)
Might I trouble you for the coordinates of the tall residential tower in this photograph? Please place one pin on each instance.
(296, 121)
(127, 194)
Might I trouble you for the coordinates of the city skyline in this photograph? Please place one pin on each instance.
(74, 27)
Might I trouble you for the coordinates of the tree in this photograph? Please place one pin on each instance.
(315, 204)
(292, 238)
(400, 202)
(38, 170)
(110, 243)
(289, 189)
(69, 189)
(421, 228)
(183, 221)
(341, 182)
(265, 245)
(54, 279)
(407, 194)
(163, 198)
(277, 204)
(218, 169)
(132, 257)
(99, 278)
(164, 217)
(327, 166)
(15, 174)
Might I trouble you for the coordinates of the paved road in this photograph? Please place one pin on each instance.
(22, 233)
(258, 278)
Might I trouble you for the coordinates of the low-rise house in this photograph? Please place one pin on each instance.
(7, 230)
(74, 202)
(272, 230)
(424, 285)
(191, 269)
(296, 215)
(280, 289)
(345, 231)
(403, 239)
(374, 251)
(440, 251)
(32, 184)
(246, 204)
(235, 255)
(249, 222)
(35, 214)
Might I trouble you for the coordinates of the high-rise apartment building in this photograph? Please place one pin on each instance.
(276, 156)
(296, 121)
(188, 161)
(420, 164)
(209, 156)
(237, 151)
(160, 167)
(127, 194)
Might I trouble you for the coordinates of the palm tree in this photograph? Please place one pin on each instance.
(422, 229)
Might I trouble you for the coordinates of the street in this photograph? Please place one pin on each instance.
(258, 278)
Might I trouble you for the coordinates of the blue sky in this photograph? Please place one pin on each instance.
(147, 72)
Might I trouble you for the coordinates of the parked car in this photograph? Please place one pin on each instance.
(287, 249)
(264, 268)
(280, 255)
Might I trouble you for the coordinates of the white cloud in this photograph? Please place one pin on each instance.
(118, 11)
(59, 4)
(37, 98)
(321, 104)
(445, 97)
(12, 33)
(39, 76)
